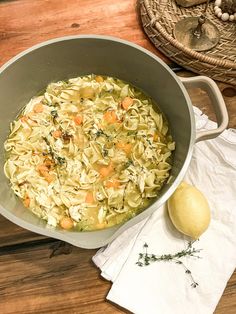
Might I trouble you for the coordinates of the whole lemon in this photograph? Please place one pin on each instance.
(189, 210)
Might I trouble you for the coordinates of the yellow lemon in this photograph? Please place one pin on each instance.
(189, 210)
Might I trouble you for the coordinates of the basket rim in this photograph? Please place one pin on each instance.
(194, 54)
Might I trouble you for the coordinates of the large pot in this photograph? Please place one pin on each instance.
(62, 58)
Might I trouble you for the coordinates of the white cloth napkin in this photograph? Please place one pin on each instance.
(164, 287)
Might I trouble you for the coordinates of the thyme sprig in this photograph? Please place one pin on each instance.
(146, 258)
(124, 194)
(128, 163)
(51, 152)
(100, 132)
(54, 114)
(59, 161)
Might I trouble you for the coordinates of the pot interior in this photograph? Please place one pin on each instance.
(70, 57)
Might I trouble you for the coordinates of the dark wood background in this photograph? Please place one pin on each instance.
(42, 275)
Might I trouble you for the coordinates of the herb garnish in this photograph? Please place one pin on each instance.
(66, 137)
(124, 194)
(100, 132)
(49, 147)
(105, 152)
(59, 161)
(97, 134)
(128, 163)
(146, 258)
(54, 114)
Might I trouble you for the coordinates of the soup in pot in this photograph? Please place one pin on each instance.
(88, 153)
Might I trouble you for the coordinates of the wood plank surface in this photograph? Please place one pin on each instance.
(31, 281)
(63, 284)
(24, 23)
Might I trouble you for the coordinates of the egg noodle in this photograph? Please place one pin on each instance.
(89, 153)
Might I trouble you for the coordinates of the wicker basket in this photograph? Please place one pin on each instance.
(159, 18)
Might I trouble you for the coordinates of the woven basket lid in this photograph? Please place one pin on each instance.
(159, 18)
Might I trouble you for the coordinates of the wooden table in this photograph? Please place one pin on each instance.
(68, 282)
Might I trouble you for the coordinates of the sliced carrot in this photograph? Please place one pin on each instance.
(48, 163)
(24, 118)
(42, 169)
(110, 116)
(78, 119)
(99, 79)
(38, 108)
(126, 147)
(126, 103)
(26, 201)
(112, 184)
(106, 171)
(120, 145)
(57, 134)
(44, 172)
(48, 177)
(89, 198)
(66, 223)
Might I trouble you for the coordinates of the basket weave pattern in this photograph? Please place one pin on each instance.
(159, 18)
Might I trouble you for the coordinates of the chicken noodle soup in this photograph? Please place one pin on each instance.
(88, 153)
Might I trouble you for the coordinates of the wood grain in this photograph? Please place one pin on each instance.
(63, 284)
(26, 22)
(11, 234)
(30, 281)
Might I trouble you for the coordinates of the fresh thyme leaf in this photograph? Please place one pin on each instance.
(100, 133)
(128, 163)
(54, 114)
(66, 137)
(146, 259)
(194, 284)
(46, 103)
(105, 152)
(139, 264)
(49, 147)
(134, 133)
(60, 160)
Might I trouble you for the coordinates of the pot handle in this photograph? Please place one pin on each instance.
(210, 87)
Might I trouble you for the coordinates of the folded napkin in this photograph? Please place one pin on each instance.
(164, 287)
